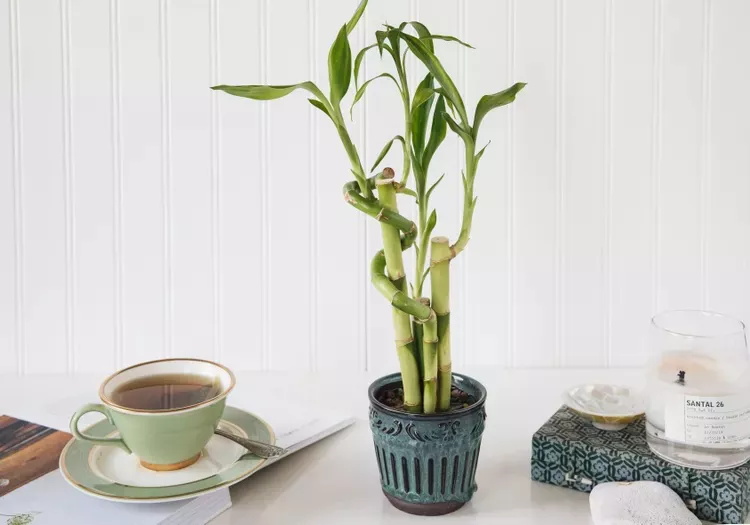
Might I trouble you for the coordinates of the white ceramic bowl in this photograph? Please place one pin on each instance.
(608, 407)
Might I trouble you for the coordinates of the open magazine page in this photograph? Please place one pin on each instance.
(33, 492)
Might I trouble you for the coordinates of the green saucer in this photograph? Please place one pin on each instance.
(110, 473)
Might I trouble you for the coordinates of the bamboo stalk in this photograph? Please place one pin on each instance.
(470, 201)
(430, 361)
(417, 330)
(394, 261)
(374, 209)
(396, 297)
(391, 236)
(440, 258)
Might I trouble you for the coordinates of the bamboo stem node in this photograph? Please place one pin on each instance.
(425, 321)
(450, 257)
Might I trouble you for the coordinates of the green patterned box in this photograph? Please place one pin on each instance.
(570, 452)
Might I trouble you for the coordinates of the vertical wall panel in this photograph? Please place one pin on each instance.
(728, 185)
(681, 155)
(635, 58)
(535, 199)
(191, 183)
(44, 208)
(381, 103)
(288, 191)
(487, 258)
(336, 227)
(142, 196)
(241, 222)
(582, 69)
(8, 270)
(93, 184)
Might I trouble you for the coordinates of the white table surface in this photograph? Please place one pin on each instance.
(336, 481)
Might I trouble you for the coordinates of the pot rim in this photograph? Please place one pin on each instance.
(395, 377)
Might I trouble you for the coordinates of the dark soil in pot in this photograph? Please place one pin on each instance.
(427, 463)
(394, 398)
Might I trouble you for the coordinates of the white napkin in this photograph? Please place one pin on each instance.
(638, 503)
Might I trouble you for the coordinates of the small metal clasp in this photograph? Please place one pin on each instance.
(570, 477)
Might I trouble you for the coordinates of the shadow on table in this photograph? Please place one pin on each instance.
(506, 489)
(325, 478)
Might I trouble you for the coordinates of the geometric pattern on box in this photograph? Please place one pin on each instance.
(569, 451)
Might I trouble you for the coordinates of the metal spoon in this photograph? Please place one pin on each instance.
(263, 450)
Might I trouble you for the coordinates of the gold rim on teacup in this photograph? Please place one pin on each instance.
(225, 392)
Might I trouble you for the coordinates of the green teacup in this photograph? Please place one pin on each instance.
(165, 411)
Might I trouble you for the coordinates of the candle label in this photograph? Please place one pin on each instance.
(707, 420)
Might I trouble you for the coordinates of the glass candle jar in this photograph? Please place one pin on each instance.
(698, 389)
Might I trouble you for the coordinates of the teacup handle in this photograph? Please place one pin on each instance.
(94, 407)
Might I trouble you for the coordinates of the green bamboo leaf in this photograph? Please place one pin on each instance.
(423, 94)
(447, 38)
(406, 191)
(489, 102)
(351, 24)
(358, 61)
(437, 133)
(448, 103)
(340, 67)
(416, 167)
(434, 66)
(457, 129)
(393, 38)
(385, 151)
(318, 104)
(431, 222)
(259, 92)
(363, 87)
(478, 156)
(423, 32)
(380, 37)
(420, 114)
(432, 188)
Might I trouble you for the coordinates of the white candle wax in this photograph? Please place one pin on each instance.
(703, 376)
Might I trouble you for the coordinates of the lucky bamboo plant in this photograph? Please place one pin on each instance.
(421, 325)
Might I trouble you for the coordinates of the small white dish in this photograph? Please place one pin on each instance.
(608, 407)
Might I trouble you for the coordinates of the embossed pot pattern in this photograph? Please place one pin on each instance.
(428, 463)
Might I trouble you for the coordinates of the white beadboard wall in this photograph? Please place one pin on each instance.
(143, 215)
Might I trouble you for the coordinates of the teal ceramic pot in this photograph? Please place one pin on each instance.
(427, 463)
